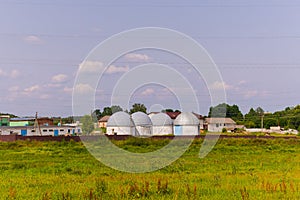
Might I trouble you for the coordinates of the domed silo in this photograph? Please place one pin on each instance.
(120, 123)
(186, 124)
(162, 124)
(142, 124)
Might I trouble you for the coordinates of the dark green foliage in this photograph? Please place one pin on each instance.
(225, 110)
(138, 107)
(87, 124)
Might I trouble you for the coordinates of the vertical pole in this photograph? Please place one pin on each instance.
(262, 122)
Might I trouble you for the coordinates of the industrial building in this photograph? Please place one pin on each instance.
(40, 131)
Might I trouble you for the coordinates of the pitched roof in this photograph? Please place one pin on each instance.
(104, 118)
(198, 116)
(219, 120)
(173, 115)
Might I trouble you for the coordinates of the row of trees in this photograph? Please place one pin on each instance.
(288, 118)
(137, 107)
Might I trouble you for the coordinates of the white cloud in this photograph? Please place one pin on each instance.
(137, 57)
(220, 85)
(242, 82)
(2, 73)
(45, 96)
(14, 89)
(96, 66)
(68, 90)
(91, 66)
(83, 89)
(32, 39)
(59, 78)
(250, 93)
(14, 73)
(114, 69)
(31, 89)
(147, 92)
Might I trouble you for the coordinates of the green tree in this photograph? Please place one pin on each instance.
(138, 107)
(168, 110)
(87, 124)
(115, 109)
(225, 110)
(259, 111)
(97, 114)
(106, 111)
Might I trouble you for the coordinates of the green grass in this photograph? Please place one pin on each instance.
(235, 169)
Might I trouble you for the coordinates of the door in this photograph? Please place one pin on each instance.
(23, 132)
(55, 132)
(177, 130)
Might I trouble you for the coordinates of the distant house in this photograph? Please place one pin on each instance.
(103, 121)
(29, 121)
(4, 120)
(217, 124)
(201, 120)
(173, 115)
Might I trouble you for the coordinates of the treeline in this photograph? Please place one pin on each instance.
(287, 119)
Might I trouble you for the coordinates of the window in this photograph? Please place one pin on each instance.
(61, 130)
(217, 125)
(44, 130)
(50, 130)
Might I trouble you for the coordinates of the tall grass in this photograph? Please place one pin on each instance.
(235, 169)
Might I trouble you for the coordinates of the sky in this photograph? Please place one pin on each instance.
(255, 45)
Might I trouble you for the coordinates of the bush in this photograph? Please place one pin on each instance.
(224, 130)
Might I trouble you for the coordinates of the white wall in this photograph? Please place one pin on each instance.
(187, 130)
(144, 130)
(162, 130)
(120, 130)
(217, 127)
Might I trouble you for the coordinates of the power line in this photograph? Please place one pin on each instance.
(147, 5)
(87, 36)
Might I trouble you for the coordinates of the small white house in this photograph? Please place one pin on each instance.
(217, 124)
(120, 123)
(142, 123)
(186, 124)
(162, 124)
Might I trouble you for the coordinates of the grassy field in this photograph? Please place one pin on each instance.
(235, 169)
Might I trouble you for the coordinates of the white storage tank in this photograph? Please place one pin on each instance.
(162, 124)
(186, 124)
(120, 123)
(142, 124)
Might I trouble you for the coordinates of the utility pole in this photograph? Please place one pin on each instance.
(37, 125)
(262, 122)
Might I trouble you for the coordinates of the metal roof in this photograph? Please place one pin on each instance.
(218, 120)
(161, 119)
(186, 118)
(141, 119)
(120, 119)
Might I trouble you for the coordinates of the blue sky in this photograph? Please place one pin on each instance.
(255, 44)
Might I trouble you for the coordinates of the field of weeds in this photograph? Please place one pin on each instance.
(235, 169)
